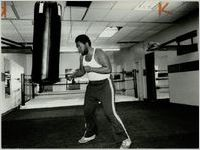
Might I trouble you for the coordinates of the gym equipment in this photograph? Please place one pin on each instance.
(126, 82)
(46, 42)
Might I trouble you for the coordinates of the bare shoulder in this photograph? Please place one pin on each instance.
(99, 52)
(101, 56)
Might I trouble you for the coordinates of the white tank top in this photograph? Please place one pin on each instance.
(93, 76)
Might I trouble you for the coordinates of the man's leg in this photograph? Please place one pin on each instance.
(90, 118)
(108, 98)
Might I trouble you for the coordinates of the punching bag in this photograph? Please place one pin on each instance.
(46, 42)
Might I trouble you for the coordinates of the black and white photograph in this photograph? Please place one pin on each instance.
(100, 74)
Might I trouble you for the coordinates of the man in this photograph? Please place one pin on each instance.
(96, 64)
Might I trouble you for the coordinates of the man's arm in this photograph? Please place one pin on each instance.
(103, 60)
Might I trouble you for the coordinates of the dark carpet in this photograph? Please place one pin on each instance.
(149, 124)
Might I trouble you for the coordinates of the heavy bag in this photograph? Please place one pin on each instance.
(46, 42)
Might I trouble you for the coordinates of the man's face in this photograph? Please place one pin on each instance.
(82, 49)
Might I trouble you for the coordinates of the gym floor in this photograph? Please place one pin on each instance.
(149, 124)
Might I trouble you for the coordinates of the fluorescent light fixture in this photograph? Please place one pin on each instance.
(74, 50)
(68, 50)
(109, 32)
(147, 5)
(111, 49)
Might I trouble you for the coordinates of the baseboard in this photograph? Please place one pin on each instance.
(157, 100)
(185, 104)
(9, 111)
(164, 100)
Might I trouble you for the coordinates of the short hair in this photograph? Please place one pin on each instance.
(83, 39)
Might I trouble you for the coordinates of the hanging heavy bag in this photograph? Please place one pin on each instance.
(46, 42)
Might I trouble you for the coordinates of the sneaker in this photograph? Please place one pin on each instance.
(126, 144)
(86, 139)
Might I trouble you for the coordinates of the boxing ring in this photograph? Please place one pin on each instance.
(71, 93)
(77, 99)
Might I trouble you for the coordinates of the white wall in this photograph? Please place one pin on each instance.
(2, 90)
(133, 58)
(68, 60)
(18, 58)
(188, 91)
(184, 87)
(121, 60)
(14, 99)
(17, 64)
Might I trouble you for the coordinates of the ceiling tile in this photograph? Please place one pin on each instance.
(9, 31)
(75, 33)
(142, 25)
(24, 26)
(6, 26)
(102, 4)
(25, 9)
(172, 5)
(128, 5)
(116, 15)
(77, 13)
(151, 17)
(187, 6)
(121, 34)
(145, 35)
(101, 40)
(136, 24)
(96, 14)
(9, 13)
(96, 27)
(79, 28)
(80, 25)
(171, 18)
(135, 15)
(117, 24)
(93, 37)
(65, 27)
(161, 26)
(127, 38)
(132, 35)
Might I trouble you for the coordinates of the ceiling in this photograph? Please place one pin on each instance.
(137, 25)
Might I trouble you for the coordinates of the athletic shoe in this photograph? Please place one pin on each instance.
(126, 144)
(87, 139)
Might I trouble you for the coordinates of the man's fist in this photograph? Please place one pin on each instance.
(69, 77)
(87, 68)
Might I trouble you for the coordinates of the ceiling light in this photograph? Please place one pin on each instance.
(109, 31)
(74, 50)
(68, 49)
(111, 49)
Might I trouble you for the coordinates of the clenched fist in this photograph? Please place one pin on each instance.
(87, 68)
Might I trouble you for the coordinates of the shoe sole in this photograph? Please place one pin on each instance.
(87, 140)
(127, 147)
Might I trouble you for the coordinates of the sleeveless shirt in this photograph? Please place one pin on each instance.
(93, 76)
